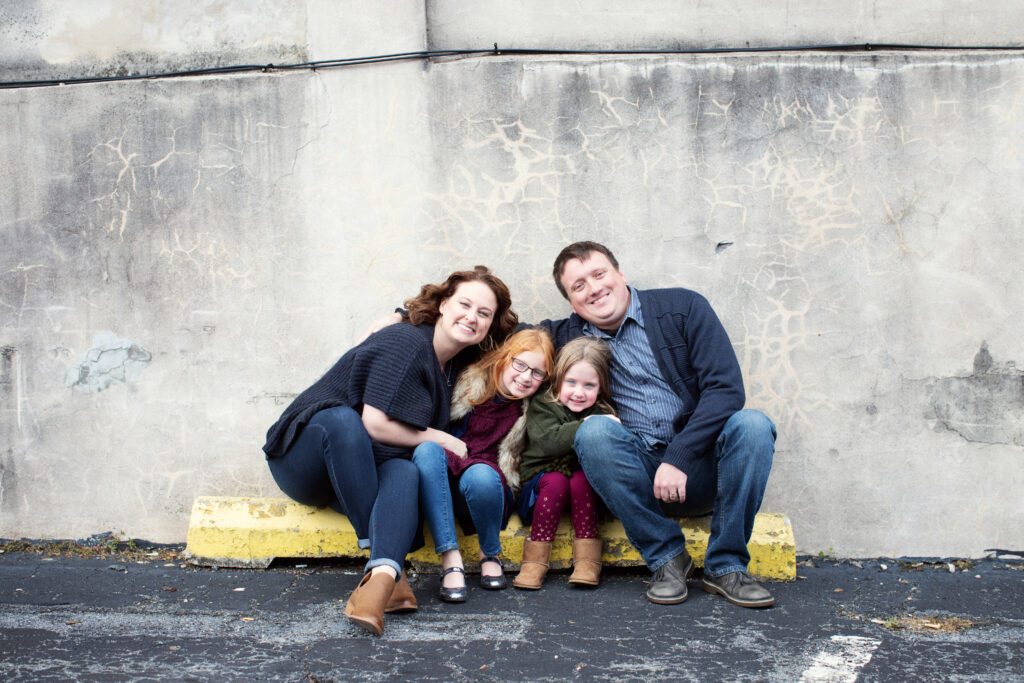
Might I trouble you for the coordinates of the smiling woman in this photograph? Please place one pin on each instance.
(347, 440)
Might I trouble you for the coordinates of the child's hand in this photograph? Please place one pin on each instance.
(610, 417)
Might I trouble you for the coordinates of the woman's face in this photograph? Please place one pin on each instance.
(466, 316)
(522, 381)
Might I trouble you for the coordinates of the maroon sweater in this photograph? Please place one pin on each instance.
(486, 426)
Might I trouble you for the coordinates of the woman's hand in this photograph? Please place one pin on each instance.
(453, 444)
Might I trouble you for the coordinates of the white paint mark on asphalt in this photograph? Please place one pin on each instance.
(841, 660)
(499, 626)
(305, 626)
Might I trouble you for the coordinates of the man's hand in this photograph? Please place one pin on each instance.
(379, 324)
(670, 484)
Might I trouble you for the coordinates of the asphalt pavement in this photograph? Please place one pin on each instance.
(118, 619)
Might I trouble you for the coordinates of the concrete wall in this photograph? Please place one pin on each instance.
(179, 257)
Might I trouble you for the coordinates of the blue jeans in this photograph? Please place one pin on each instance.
(331, 463)
(479, 489)
(729, 481)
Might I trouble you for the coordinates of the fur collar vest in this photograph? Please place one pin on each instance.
(470, 388)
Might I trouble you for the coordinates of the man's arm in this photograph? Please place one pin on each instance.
(718, 380)
(563, 330)
(379, 324)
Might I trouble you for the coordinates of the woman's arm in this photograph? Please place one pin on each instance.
(391, 432)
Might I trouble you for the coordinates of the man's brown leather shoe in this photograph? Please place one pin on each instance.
(739, 589)
(668, 587)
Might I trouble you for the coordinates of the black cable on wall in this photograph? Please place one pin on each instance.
(494, 51)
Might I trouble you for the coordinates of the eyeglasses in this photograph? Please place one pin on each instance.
(520, 366)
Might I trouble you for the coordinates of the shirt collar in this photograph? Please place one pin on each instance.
(632, 313)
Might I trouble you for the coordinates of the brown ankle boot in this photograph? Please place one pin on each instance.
(586, 561)
(365, 607)
(403, 599)
(534, 566)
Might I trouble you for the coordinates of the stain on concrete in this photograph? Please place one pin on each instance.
(110, 360)
(984, 407)
(7, 354)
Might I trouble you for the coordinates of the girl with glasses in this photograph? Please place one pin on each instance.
(476, 486)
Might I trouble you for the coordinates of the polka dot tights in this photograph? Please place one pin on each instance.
(552, 491)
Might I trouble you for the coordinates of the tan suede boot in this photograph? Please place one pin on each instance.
(365, 607)
(586, 561)
(403, 599)
(534, 566)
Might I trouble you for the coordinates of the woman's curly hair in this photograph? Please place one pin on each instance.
(425, 307)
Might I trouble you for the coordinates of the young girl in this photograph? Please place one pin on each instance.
(474, 482)
(579, 390)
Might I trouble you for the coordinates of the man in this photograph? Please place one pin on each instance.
(685, 445)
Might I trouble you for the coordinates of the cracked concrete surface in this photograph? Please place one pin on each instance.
(244, 230)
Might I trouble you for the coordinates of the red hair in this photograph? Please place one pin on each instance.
(494, 363)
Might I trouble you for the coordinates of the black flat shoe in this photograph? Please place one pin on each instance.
(458, 594)
(493, 583)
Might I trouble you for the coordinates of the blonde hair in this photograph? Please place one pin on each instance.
(595, 353)
(494, 363)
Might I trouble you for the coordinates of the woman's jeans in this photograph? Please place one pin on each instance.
(479, 487)
(730, 481)
(331, 463)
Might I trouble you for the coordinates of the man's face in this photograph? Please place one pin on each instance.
(597, 290)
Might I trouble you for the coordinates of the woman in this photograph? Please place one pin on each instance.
(347, 440)
(476, 485)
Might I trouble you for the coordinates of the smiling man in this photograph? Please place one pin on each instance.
(685, 445)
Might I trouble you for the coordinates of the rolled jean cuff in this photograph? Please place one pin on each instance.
(363, 543)
(383, 562)
(717, 573)
(661, 562)
(438, 549)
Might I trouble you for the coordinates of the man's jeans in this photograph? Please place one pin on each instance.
(331, 463)
(479, 490)
(730, 480)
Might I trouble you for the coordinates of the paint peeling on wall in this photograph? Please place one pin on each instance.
(985, 407)
(109, 360)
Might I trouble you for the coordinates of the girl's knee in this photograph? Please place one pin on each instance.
(554, 481)
(480, 482)
(428, 453)
(578, 481)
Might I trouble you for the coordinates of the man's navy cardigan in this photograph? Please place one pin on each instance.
(696, 358)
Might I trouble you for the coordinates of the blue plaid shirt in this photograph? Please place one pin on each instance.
(645, 402)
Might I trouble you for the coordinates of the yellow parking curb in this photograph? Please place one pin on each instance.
(252, 532)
